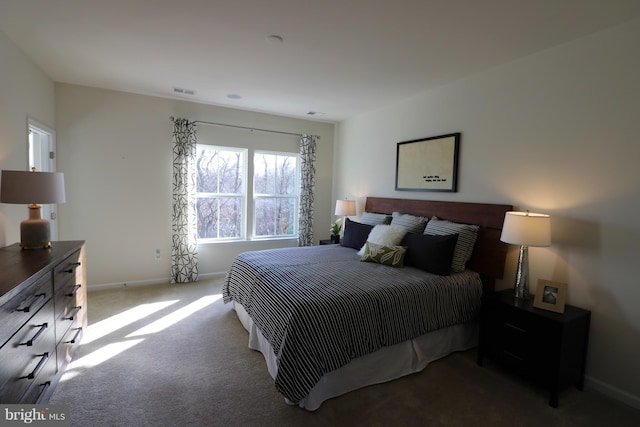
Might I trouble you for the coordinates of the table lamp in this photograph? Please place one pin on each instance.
(345, 208)
(525, 229)
(32, 188)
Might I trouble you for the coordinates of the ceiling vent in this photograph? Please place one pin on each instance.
(184, 91)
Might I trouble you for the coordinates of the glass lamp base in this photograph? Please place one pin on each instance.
(521, 288)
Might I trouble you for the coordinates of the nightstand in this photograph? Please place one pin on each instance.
(547, 348)
(328, 242)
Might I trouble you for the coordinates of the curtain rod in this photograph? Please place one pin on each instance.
(248, 128)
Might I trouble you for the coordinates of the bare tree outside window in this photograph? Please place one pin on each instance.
(275, 183)
(222, 193)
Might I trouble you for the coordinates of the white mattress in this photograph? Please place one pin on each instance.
(381, 366)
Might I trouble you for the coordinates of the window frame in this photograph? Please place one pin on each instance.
(242, 196)
(295, 197)
(248, 198)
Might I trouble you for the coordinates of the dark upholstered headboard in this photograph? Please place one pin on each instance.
(489, 253)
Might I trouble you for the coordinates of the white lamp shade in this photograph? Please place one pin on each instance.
(24, 187)
(525, 228)
(345, 207)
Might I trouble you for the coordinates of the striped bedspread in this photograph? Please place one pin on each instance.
(320, 307)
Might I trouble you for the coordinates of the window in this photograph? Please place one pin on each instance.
(221, 192)
(275, 194)
(230, 210)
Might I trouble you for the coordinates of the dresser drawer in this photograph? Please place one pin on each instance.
(22, 307)
(68, 344)
(69, 270)
(69, 315)
(72, 293)
(25, 358)
(40, 385)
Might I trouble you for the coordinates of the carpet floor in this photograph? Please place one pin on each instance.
(176, 355)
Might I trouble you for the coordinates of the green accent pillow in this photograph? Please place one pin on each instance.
(387, 255)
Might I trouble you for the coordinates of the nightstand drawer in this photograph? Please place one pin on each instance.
(518, 334)
(513, 343)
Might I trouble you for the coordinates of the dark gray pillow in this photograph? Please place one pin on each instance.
(430, 253)
(355, 234)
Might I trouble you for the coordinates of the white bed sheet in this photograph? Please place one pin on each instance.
(381, 366)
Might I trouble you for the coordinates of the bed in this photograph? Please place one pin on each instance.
(328, 323)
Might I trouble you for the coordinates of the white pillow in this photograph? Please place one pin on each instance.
(385, 235)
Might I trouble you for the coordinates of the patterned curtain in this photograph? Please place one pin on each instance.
(307, 187)
(184, 247)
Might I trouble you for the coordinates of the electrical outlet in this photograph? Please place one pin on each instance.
(157, 253)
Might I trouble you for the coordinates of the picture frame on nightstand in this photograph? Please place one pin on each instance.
(550, 296)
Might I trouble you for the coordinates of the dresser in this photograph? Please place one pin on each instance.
(43, 313)
(547, 348)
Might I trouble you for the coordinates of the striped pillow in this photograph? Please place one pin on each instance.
(413, 224)
(374, 218)
(467, 235)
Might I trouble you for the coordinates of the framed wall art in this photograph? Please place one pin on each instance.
(550, 295)
(428, 164)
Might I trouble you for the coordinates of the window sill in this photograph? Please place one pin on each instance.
(244, 242)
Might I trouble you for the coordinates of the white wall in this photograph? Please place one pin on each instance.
(556, 132)
(115, 150)
(25, 91)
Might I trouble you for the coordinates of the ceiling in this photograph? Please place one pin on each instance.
(338, 58)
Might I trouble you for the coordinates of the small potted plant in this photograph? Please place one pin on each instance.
(335, 231)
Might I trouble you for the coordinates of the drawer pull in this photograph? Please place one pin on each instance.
(73, 291)
(75, 312)
(73, 267)
(512, 326)
(518, 358)
(75, 337)
(35, 337)
(36, 298)
(32, 375)
(45, 386)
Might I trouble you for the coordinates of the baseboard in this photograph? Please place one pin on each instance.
(612, 392)
(149, 282)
